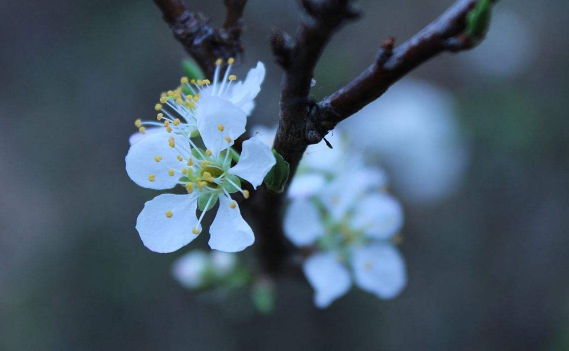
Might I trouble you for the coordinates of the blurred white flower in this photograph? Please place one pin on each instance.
(343, 213)
(414, 131)
(189, 269)
(197, 269)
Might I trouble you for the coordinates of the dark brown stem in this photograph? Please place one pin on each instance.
(203, 42)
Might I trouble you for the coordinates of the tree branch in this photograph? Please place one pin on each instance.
(444, 34)
(301, 124)
(203, 42)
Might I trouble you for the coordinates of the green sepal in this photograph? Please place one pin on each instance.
(478, 19)
(192, 70)
(230, 188)
(263, 296)
(203, 199)
(277, 177)
(198, 153)
(184, 179)
(195, 134)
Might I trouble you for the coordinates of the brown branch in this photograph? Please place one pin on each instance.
(444, 34)
(203, 42)
(301, 124)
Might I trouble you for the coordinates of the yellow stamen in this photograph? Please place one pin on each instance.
(218, 62)
(195, 231)
(179, 101)
(171, 173)
(205, 163)
(159, 116)
(170, 93)
(158, 158)
(230, 61)
(233, 204)
(190, 162)
(207, 177)
(169, 214)
(193, 81)
(184, 171)
(206, 81)
(190, 187)
(158, 107)
(220, 127)
(142, 130)
(152, 177)
(184, 80)
(176, 122)
(228, 139)
(163, 100)
(180, 158)
(208, 152)
(169, 130)
(166, 123)
(246, 194)
(138, 123)
(172, 144)
(232, 77)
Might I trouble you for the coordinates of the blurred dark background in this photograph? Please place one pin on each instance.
(488, 265)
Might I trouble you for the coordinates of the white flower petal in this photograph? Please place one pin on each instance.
(141, 164)
(189, 268)
(212, 112)
(302, 223)
(306, 185)
(243, 93)
(136, 137)
(222, 262)
(229, 231)
(255, 162)
(161, 233)
(379, 215)
(329, 278)
(379, 269)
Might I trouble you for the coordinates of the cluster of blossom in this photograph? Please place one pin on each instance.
(190, 145)
(198, 269)
(340, 210)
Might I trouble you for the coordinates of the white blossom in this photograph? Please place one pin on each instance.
(196, 269)
(350, 222)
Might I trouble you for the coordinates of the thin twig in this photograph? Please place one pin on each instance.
(203, 42)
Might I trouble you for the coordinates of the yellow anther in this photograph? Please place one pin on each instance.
(163, 94)
(232, 77)
(193, 81)
(206, 81)
(196, 98)
(184, 171)
(176, 122)
(152, 177)
(159, 116)
(207, 177)
(171, 172)
(169, 130)
(184, 80)
(228, 139)
(233, 204)
(158, 158)
(205, 164)
(172, 144)
(191, 104)
(180, 158)
(220, 127)
(218, 62)
(179, 101)
(171, 138)
(190, 187)
(158, 107)
(190, 162)
(195, 231)
(201, 184)
(170, 93)
(169, 214)
(246, 194)
(231, 61)
(208, 152)
(200, 83)
(142, 130)
(138, 123)
(163, 100)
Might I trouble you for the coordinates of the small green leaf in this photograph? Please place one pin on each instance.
(264, 297)
(478, 19)
(277, 177)
(204, 199)
(192, 70)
